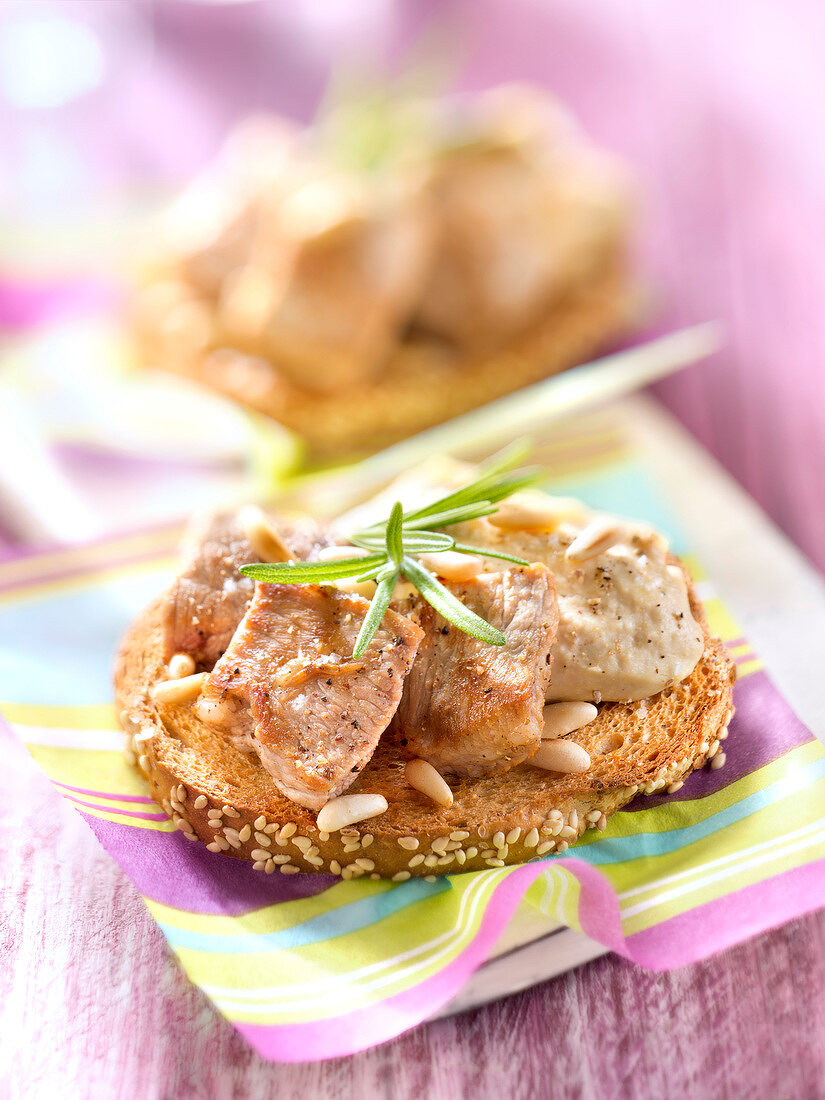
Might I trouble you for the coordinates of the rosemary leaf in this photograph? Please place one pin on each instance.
(446, 604)
(378, 606)
(415, 542)
(310, 572)
(482, 552)
(395, 543)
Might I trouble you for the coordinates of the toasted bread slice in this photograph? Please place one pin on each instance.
(424, 382)
(496, 820)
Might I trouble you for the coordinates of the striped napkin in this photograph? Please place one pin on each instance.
(309, 967)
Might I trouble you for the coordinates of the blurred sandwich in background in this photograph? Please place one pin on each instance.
(392, 266)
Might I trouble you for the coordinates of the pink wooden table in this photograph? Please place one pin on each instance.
(718, 106)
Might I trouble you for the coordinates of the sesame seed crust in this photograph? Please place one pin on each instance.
(221, 797)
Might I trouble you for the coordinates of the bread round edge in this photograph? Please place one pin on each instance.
(224, 798)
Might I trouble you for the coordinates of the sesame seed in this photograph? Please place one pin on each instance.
(483, 832)
(260, 854)
(430, 861)
(316, 861)
(594, 816)
(281, 859)
(290, 829)
(568, 832)
(233, 840)
(201, 801)
(401, 876)
(352, 847)
(346, 874)
(214, 815)
(562, 846)
(262, 838)
(459, 834)
(191, 836)
(213, 847)
(408, 842)
(302, 842)
(532, 839)
(452, 846)
(556, 827)
(323, 837)
(472, 853)
(443, 861)
(366, 864)
(230, 811)
(143, 763)
(460, 856)
(546, 847)
(601, 824)
(271, 828)
(260, 823)
(440, 844)
(494, 862)
(513, 835)
(222, 843)
(259, 865)
(718, 761)
(375, 876)
(177, 806)
(366, 840)
(269, 866)
(573, 820)
(677, 786)
(498, 840)
(245, 833)
(335, 866)
(414, 862)
(430, 878)
(288, 869)
(488, 853)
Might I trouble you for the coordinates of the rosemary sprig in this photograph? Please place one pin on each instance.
(393, 545)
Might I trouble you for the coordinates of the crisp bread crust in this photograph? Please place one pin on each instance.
(637, 747)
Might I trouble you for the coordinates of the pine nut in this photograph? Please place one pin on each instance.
(213, 712)
(339, 553)
(599, 535)
(534, 512)
(564, 718)
(452, 566)
(424, 778)
(352, 587)
(181, 665)
(561, 756)
(179, 691)
(265, 541)
(349, 808)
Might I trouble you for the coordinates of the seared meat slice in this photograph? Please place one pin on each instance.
(470, 708)
(209, 597)
(288, 689)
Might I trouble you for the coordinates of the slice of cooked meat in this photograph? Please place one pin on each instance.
(210, 595)
(288, 689)
(472, 709)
